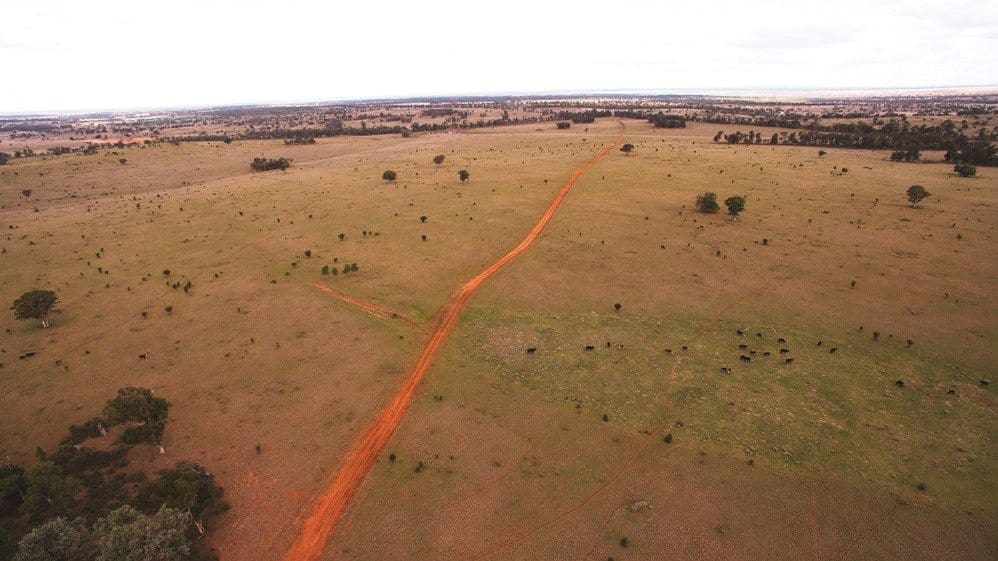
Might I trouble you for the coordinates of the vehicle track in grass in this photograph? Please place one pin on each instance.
(329, 507)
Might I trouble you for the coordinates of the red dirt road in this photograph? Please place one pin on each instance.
(369, 307)
(330, 506)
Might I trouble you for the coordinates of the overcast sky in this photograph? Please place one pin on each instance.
(120, 54)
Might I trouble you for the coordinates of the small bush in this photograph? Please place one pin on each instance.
(965, 170)
(389, 175)
(707, 203)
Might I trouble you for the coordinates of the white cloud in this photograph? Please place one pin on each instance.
(62, 54)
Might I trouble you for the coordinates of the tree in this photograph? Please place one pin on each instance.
(49, 491)
(126, 534)
(438, 159)
(56, 540)
(464, 175)
(188, 487)
(917, 193)
(627, 148)
(707, 203)
(563, 124)
(35, 305)
(735, 204)
(965, 170)
(389, 175)
(4, 158)
(12, 488)
(138, 405)
(267, 164)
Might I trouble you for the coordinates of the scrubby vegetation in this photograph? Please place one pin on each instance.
(267, 164)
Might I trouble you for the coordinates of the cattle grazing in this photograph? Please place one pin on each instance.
(743, 346)
(819, 343)
(531, 350)
(744, 358)
(143, 356)
(725, 370)
(789, 361)
(899, 383)
(832, 350)
(784, 351)
(590, 347)
(668, 351)
(740, 332)
(781, 340)
(765, 353)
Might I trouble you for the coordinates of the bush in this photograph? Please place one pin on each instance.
(627, 148)
(707, 203)
(463, 175)
(563, 124)
(965, 170)
(389, 175)
(438, 159)
(917, 193)
(267, 164)
(735, 204)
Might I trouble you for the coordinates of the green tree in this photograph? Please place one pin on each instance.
(438, 159)
(188, 487)
(126, 534)
(12, 487)
(35, 305)
(965, 170)
(735, 204)
(627, 148)
(56, 540)
(916, 194)
(707, 203)
(463, 175)
(389, 175)
(138, 405)
(48, 491)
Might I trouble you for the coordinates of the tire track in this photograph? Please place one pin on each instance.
(330, 506)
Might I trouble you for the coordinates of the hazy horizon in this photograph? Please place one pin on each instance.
(121, 56)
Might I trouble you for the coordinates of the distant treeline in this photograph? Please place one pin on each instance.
(906, 141)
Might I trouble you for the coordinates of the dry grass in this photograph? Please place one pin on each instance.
(837, 448)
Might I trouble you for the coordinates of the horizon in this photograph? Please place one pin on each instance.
(788, 95)
(121, 56)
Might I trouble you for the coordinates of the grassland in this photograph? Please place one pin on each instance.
(561, 453)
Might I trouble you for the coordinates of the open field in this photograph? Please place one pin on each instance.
(640, 448)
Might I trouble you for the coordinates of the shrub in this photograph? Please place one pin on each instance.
(965, 170)
(267, 164)
(735, 204)
(916, 194)
(463, 175)
(563, 124)
(389, 175)
(627, 148)
(438, 159)
(707, 203)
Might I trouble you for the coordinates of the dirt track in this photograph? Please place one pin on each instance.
(331, 504)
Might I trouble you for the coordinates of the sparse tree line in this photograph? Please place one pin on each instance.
(906, 142)
(267, 164)
(82, 503)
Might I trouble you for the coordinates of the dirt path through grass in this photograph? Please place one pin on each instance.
(330, 506)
